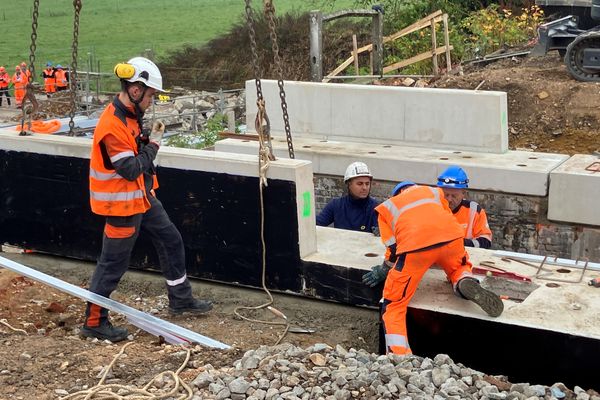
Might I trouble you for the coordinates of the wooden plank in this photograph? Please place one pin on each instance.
(355, 55)
(339, 69)
(412, 60)
(434, 57)
(446, 43)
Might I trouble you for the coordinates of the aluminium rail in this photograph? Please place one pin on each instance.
(172, 333)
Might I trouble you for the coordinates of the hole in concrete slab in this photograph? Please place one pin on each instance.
(306, 147)
(443, 158)
(521, 165)
(457, 152)
(552, 285)
(563, 270)
(467, 157)
(371, 255)
(533, 158)
(372, 152)
(245, 140)
(323, 141)
(387, 146)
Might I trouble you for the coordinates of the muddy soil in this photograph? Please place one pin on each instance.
(50, 357)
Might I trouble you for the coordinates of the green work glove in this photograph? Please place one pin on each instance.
(377, 275)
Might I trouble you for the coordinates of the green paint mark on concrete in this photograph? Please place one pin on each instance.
(306, 207)
(504, 119)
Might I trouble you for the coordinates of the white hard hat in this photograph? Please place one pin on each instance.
(146, 72)
(357, 169)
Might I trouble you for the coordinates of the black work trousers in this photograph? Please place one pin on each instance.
(116, 254)
(4, 92)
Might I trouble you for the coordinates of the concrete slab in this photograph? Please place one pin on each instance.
(575, 305)
(438, 118)
(297, 171)
(574, 191)
(519, 172)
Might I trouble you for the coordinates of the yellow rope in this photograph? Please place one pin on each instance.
(265, 155)
(122, 392)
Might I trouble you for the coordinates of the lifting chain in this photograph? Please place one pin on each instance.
(73, 73)
(32, 47)
(270, 14)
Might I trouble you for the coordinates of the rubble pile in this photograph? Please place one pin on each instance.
(321, 372)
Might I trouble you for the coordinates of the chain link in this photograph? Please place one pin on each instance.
(270, 14)
(73, 73)
(32, 47)
(255, 61)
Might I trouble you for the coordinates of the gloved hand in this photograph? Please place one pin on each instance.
(158, 129)
(376, 276)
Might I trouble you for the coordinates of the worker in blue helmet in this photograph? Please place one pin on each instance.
(454, 182)
(49, 79)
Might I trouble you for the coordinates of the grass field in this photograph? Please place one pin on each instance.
(115, 30)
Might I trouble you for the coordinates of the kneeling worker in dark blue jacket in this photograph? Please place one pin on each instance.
(356, 210)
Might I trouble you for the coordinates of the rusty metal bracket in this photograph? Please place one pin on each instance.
(555, 263)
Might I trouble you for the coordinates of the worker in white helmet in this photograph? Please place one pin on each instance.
(356, 210)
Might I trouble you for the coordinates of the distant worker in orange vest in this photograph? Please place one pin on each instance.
(418, 224)
(122, 183)
(4, 82)
(49, 79)
(19, 81)
(26, 71)
(61, 78)
(454, 182)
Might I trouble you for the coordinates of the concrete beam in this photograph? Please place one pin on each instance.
(432, 118)
(574, 191)
(512, 172)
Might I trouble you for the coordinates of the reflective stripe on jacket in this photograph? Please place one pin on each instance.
(110, 193)
(417, 218)
(473, 219)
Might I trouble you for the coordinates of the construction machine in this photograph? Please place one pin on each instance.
(575, 36)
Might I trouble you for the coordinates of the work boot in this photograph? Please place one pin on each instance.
(489, 301)
(106, 331)
(193, 306)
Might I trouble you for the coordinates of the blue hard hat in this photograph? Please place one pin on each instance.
(49, 64)
(453, 177)
(400, 186)
(58, 66)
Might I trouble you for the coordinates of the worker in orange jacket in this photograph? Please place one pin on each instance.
(454, 182)
(122, 183)
(26, 71)
(49, 79)
(418, 227)
(4, 82)
(19, 81)
(61, 78)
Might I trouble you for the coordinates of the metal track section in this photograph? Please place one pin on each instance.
(577, 61)
(170, 332)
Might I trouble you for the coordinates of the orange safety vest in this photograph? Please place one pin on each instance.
(110, 193)
(19, 81)
(417, 218)
(61, 78)
(473, 220)
(4, 80)
(49, 80)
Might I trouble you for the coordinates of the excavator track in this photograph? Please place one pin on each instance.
(574, 57)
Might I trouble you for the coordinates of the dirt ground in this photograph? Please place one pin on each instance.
(548, 111)
(52, 357)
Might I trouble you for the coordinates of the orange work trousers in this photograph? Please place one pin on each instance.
(19, 94)
(402, 282)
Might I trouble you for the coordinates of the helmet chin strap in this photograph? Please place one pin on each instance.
(136, 104)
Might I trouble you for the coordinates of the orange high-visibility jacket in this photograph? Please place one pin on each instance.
(4, 80)
(417, 218)
(61, 78)
(110, 193)
(19, 81)
(473, 219)
(49, 80)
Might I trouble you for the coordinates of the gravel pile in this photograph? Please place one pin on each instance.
(321, 372)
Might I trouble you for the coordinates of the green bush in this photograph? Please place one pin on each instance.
(201, 139)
